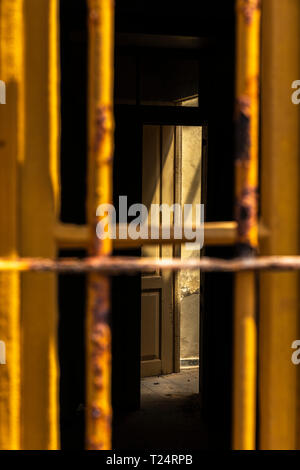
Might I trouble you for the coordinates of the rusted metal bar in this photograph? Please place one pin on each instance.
(247, 121)
(246, 168)
(116, 265)
(100, 136)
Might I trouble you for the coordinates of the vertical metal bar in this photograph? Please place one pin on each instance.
(246, 182)
(98, 334)
(279, 293)
(11, 152)
(39, 188)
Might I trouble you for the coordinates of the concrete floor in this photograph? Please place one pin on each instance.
(170, 416)
(173, 385)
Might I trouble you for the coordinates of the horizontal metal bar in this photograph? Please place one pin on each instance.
(71, 235)
(129, 265)
(215, 234)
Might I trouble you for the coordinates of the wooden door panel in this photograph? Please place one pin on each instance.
(151, 325)
(151, 333)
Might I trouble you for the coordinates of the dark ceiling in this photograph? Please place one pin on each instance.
(187, 17)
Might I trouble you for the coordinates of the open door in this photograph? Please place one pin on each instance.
(157, 299)
(170, 303)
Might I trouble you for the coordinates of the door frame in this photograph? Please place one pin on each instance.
(139, 115)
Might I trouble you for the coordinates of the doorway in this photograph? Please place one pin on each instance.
(170, 303)
(158, 64)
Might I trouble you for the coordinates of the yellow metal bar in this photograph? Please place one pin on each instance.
(38, 212)
(11, 148)
(279, 293)
(247, 122)
(215, 234)
(98, 334)
(71, 235)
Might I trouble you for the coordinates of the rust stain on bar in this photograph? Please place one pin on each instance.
(248, 7)
(242, 128)
(102, 125)
(246, 164)
(246, 211)
(99, 339)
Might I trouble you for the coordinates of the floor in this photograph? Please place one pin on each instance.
(170, 416)
(173, 385)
